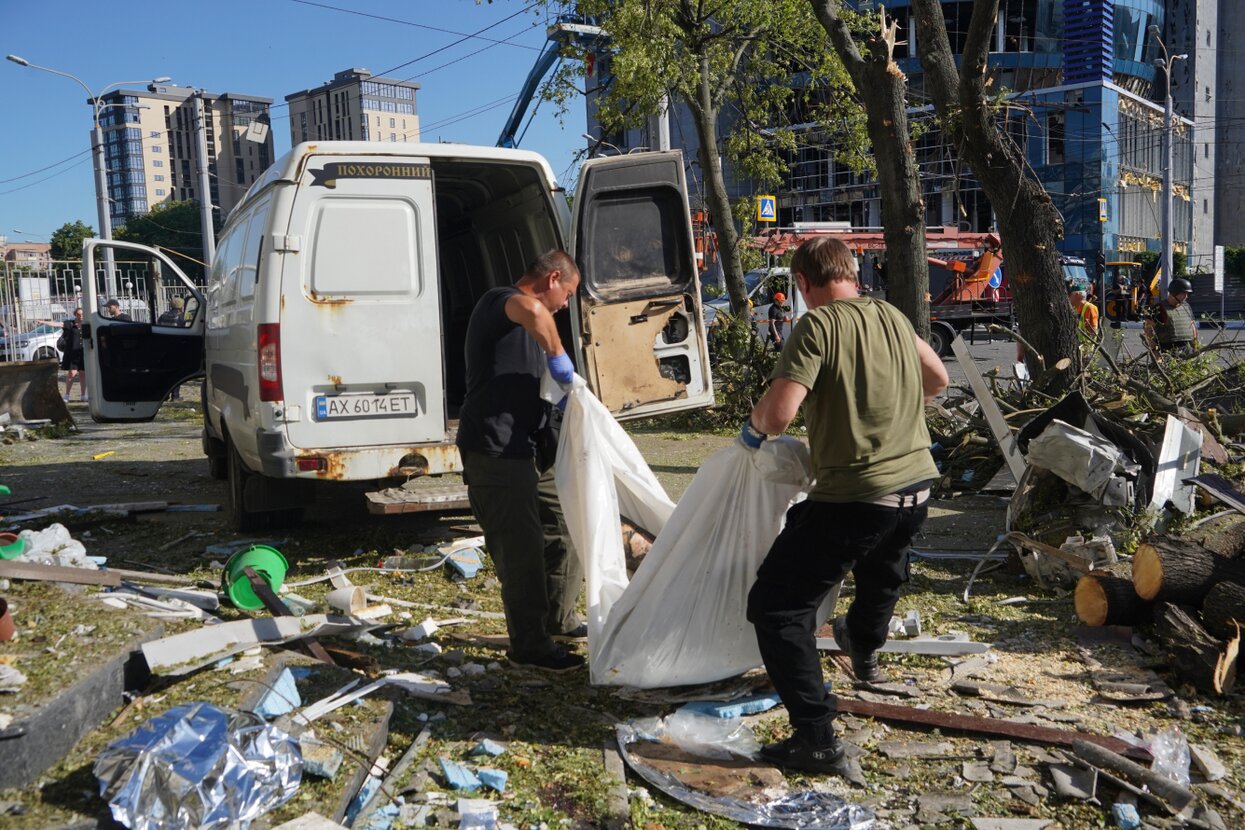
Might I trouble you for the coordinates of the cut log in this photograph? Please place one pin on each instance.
(1223, 610)
(1176, 570)
(1196, 656)
(1225, 535)
(1103, 599)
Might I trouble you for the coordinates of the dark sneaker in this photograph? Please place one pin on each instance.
(578, 634)
(864, 666)
(558, 660)
(794, 753)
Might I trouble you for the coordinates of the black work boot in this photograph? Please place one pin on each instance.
(797, 753)
(864, 666)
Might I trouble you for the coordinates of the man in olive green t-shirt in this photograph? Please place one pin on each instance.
(863, 376)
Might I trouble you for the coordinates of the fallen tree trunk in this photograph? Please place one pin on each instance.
(1196, 656)
(1104, 599)
(1223, 610)
(1177, 570)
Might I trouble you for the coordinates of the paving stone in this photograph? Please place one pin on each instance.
(977, 772)
(915, 749)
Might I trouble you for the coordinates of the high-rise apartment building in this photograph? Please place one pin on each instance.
(151, 148)
(355, 106)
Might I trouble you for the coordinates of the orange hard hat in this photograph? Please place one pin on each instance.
(780, 297)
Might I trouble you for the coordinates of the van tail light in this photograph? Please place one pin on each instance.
(270, 362)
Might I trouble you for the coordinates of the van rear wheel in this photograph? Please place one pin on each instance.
(243, 519)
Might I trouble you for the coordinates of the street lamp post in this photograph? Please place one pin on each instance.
(97, 152)
(1167, 240)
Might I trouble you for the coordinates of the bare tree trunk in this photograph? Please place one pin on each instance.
(882, 87)
(1029, 224)
(705, 116)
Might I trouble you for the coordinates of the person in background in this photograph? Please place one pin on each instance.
(73, 359)
(1086, 314)
(113, 307)
(862, 376)
(779, 315)
(175, 315)
(507, 441)
(1170, 326)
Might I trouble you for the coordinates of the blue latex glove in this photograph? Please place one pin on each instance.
(750, 436)
(561, 368)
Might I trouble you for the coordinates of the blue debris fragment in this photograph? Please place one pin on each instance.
(1126, 816)
(488, 747)
(369, 788)
(750, 705)
(458, 777)
(494, 779)
(466, 561)
(283, 697)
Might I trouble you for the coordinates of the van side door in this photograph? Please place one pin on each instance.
(133, 364)
(638, 312)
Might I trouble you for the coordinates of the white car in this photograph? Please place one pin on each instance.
(37, 344)
(761, 283)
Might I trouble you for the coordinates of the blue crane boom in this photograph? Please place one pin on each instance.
(559, 34)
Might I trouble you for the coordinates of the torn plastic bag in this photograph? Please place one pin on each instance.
(198, 766)
(798, 810)
(682, 619)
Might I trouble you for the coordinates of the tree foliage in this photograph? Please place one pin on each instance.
(174, 227)
(67, 239)
(743, 69)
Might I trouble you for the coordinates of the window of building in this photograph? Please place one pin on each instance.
(393, 137)
(1055, 149)
(159, 191)
(156, 148)
(159, 177)
(157, 163)
(393, 122)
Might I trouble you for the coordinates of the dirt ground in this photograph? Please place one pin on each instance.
(555, 728)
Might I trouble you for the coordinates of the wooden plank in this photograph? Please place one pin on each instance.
(13, 569)
(987, 726)
(990, 408)
(395, 500)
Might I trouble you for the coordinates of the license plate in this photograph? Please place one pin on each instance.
(330, 407)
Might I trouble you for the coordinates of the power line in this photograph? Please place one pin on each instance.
(45, 178)
(49, 167)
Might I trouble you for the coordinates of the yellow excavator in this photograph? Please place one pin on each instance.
(1128, 290)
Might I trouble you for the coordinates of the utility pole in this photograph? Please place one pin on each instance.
(205, 185)
(1167, 240)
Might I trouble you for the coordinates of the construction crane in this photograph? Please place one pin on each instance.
(565, 31)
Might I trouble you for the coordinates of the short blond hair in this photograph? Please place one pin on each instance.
(824, 260)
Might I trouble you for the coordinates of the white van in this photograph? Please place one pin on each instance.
(331, 332)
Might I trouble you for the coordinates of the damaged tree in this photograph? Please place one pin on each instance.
(1104, 599)
(1196, 656)
(1172, 569)
(882, 89)
(1029, 224)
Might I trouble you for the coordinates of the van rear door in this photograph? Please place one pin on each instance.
(360, 334)
(639, 314)
(132, 365)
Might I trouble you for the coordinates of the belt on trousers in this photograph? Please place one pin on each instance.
(913, 499)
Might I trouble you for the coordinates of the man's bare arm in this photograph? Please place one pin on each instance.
(778, 406)
(933, 373)
(536, 321)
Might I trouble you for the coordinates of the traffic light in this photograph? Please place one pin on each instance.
(1101, 264)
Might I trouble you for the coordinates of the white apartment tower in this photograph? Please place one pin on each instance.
(355, 106)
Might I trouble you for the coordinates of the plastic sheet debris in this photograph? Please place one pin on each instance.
(706, 735)
(54, 546)
(750, 705)
(458, 777)
(200, 766)
(282, 698)
(477, 814)
(799, 810)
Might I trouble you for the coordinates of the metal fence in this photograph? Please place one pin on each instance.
(34, 299)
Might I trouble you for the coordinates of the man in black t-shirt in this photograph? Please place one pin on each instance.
(507, 443)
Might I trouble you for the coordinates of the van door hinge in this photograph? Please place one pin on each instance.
(286, 244)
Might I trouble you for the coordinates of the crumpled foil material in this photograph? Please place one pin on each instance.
(198, 766)
(798, 810)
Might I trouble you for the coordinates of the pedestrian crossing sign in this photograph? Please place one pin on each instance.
(767, 208)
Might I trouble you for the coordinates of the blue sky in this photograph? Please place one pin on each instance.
(269, 48)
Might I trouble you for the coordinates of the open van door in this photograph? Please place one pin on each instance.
(638, 312)
(134, 361)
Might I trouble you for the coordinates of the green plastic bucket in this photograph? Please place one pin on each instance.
(11, 546)
(267, 562)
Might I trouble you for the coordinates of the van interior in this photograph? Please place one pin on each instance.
(492, 220)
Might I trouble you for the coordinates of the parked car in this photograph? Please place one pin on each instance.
(37, 344)
(761, 283)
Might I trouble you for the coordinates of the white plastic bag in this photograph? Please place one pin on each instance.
(682, 619)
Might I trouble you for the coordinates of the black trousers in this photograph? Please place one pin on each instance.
(819, 545)
(541, 575)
